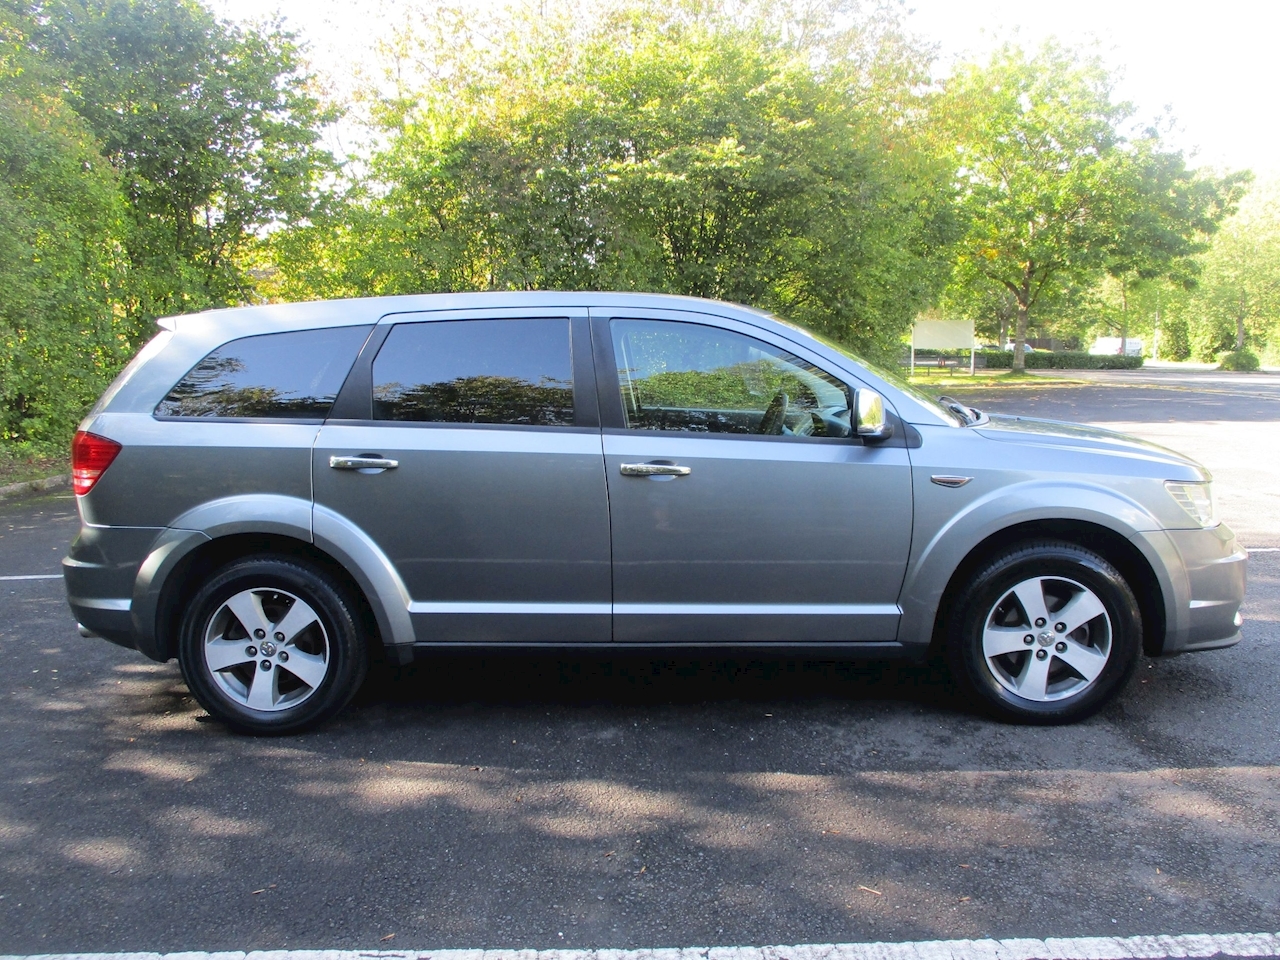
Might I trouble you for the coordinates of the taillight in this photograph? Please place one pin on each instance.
(90, 457)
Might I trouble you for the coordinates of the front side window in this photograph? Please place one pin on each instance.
(281, 376)
(701, 379)
(476, 371)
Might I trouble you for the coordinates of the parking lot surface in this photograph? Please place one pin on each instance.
(596, 801)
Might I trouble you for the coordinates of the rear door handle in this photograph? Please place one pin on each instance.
(655, 470)
(363, 463)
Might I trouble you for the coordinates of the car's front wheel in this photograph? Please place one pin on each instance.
(270, 645)
(1045, 632)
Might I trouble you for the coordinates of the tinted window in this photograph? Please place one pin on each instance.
(686, 376)
(476, 371)
(293, 375)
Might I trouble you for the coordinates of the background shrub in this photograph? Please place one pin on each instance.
(1061, 360)
(1175, 339)
(1240, 360)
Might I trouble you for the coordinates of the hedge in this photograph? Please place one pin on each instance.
(1060, 360)
(1242, 360)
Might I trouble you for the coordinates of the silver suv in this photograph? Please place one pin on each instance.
(273, 494)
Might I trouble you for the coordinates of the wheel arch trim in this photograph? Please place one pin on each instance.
(373, 571)
(934, 563)
(210, 521)
(273, 515)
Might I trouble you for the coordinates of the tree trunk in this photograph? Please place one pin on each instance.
(1023, 295)
(1240, 330)
(1124, 318)
(1020, 339)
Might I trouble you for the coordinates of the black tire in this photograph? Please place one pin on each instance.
(331, 646)
(985, 603)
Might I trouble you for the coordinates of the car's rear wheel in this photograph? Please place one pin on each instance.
(270, 645)
(1046, 632)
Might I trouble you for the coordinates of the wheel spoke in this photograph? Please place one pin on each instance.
(1033, 682)
(1087, 661)
(264, 689)
(220, 654)
(299, 617)
(247, 607)
(1079, 610)
(1001, 640)
(1030, 594)
(307, 667)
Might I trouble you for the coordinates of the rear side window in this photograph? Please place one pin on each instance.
(287, 376)
(476, 371)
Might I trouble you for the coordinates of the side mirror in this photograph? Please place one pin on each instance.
(872, 426)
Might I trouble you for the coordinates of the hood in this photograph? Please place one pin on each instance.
(1078, 436)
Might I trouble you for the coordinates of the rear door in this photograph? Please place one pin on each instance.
(495, 512)
(743, 507)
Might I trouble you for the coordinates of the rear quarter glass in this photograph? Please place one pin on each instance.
(289, 375)
(241, 421)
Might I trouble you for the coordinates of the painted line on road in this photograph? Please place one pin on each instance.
(1262, 549)
(36, 576)
(1050, 948)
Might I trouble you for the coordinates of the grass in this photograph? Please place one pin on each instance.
(982, 379)
(15, 468)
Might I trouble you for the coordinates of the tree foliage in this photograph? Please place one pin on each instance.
(1056, 195)
(1237, 304)
(789, 154)
(667, 150)
(59, 254)
(144, 149)
(212, 128)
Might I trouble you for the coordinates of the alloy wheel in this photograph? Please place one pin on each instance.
(1047, 639)
(266, 649)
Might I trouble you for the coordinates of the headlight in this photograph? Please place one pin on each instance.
(1196, 499)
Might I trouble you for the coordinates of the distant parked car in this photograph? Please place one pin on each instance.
(270, 494)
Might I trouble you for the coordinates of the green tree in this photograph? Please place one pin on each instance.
(212, 128)
(675, 149)
(1054, 194)
(60, 255)
(1238, 301)
(1168, 213)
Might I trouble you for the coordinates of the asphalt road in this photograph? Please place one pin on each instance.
(594, 802)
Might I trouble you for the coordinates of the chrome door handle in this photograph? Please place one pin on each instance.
(362, 463)
(655, 470)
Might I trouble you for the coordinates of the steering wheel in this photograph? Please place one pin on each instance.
(772, 422)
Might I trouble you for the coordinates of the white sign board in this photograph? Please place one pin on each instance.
(1109, 346)
(942, 335)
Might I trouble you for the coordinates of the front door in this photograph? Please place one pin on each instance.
(474, 462)
(744, 508)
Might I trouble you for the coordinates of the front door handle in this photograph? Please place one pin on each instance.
(363, 463)
(655, 470)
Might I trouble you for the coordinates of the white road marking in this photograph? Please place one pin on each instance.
(1051, 948)
(36, 576)
(1262, 549)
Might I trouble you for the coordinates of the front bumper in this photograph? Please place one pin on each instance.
(1207, 581)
